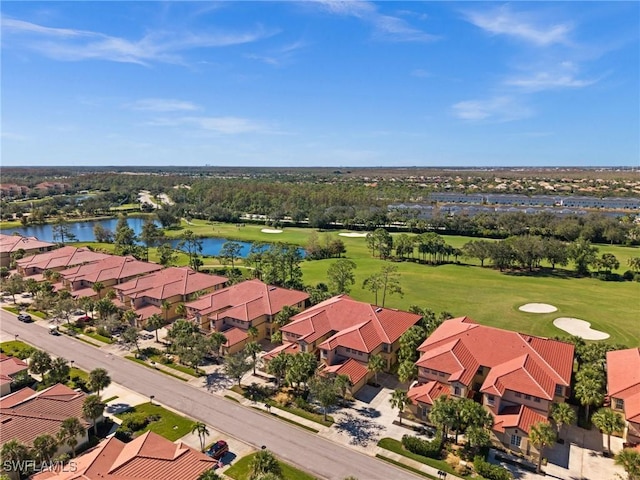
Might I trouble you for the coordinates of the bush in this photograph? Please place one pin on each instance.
(462, 470)
(135, 421)
(302, 404)
(103, 331)
(628, 276)
(123, 434)
(425, 448)
(491, 472)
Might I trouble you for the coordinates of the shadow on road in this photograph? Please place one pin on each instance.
(216, 382)
(361, 431)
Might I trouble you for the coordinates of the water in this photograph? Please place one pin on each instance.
(84, 233)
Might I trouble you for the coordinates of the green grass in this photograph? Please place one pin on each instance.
(142, 362)
(13, 310)
(110, 399)
(314, 417)
(175, 366)
(99, 337)
(241, 468)
(406, 467)
(233, 399)
(288, 420)
(73, 372)
(16, 349)
(170, 425)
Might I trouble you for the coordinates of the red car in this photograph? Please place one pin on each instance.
(218, 450)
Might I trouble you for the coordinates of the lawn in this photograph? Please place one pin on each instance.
(148, 365)
(241, 468)
(170, 425)
(16, 349)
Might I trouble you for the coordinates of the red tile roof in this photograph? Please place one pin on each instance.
(13, 243)
(168, 283)
(148, 457)
(26, 414)
(290, 348)
(9, 366)
(246, 301)
(623, 380)
(428, 392)
(234, 336)
(352, 324)
(518, 362)
(355, 370)
(517, 416)
(114, 267)
(61, 257)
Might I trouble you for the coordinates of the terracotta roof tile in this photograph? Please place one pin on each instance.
(67, 256)
(113, 268)
(9, 366)
(356, 371)
(13, 243)
(234, 336)
(428, 392)
(517, 416)
(623, 380)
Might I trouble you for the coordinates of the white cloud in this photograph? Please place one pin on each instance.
(13, 136)
(280, 55)
(497, 109)
(221, 125)
(76, 45)
(547, 81)
(162, 105)
(503, 21)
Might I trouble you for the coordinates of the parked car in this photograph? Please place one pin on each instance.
(84, 319)
(53, 330)
(25, 317)
(218, 450)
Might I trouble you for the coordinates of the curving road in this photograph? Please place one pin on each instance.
(315, 454)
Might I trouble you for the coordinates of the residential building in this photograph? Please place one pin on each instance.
(160, 292)
(423, 395)
(12, 190)
(9, 368)
(345, 333)
(146, 457)
(515, 376)
(233, 310)
(10, 244)
(110, 271)
(26, 414)
(623, 389)
(57, 260)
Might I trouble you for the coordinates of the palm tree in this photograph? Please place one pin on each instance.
(629, 459)
(203, 433)
(181, 310)
(166, 306)
(70, 430)
(443, 413)
(59, 372)
(92, 408)
(44, 447)
(130, 317)
(342, 383)
(278, 366)
(155, 322)
(40, 363)
(209, 475)
(253, 349)
(252, 332)
(399, 400)
(217, 340)
(98, 379)
(97, 287)
(376, 364)
(562, 414)
(608, 422)
(541, 435)
(589, 392)
(15, 453)
(262, 463)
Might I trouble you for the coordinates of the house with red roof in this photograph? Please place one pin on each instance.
(147, 294)
(9, 368)
(57, 260)
(148, 456)
(110, 271)
(27, 414)
(623, 389)
(345, 333)
(10, 244)
(515, 376)
(235, 309)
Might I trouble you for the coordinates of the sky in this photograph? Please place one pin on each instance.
(320, 83)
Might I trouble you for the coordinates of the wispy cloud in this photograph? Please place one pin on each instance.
(385, 26)
(495, 109)
(13, 136)
(279, 56)
(421, 73)
(521, 25)
(547, 81)
(162, 105)
(161, 46)
(220, 125)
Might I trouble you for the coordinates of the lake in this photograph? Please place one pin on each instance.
(84, 233)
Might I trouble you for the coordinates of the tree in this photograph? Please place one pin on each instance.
(15, 284)
(324, 390)
(59, 372)
(583, 254)
(607, 262)
(236, 366)
(209, 474)
(16, 454)
(102, 234)
(87, 304)
(399, 400)
(124, 237)
(70, 430)
(301, 368)
(283, 317)
(166, 254)
(541, 435)
(216, 341)
(377, 364)
(62, 231)
(130, 337)
(44, 447)
(340, 276)
(203, 432)
(99, 379)
(155, 322)
(409, 343)
(608, 422)
(92, 408)
(634, 264)
(230, 251)
(97, 287)
(390, 281)
(373, 283)
(342, 383)
(629, 459)
(278, 366)
(150, 235)
(40, 363)
(443, 413)
(252, 349)
(562, 414)
(407, 371)
(64, 307)
(380, 241)
(589, 392)
(264, 462)
(192, 245)
(252, 332)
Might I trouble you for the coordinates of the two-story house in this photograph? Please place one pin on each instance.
(515, 376)
(11, 244)
(623, 388)
(162, 291)
(345, 333)
(57, 260)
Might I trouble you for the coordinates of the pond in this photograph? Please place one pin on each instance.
(84, 233)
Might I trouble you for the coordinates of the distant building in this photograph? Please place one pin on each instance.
(10, 244)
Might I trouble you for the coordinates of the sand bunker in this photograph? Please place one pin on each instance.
(580, 328)
(538, 308)
(270, 230)
(352, 234)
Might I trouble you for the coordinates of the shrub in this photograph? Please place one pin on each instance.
(302, 404)
(123, 434)
(628, 275)
(425, 448)
(103, 331)
(491, 472)
(462, 470)
(135, 421)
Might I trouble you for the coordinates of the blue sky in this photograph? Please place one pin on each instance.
(321, 83)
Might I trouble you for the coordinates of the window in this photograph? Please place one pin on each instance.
(479, 372)
(527, 397)
(441, 374)
(516, 440)
(518, 395)
(491, 400)
(619, 404)
(457, 391)
(536, 399)
(559, 390)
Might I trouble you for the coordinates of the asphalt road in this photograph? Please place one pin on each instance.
(312, 453)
